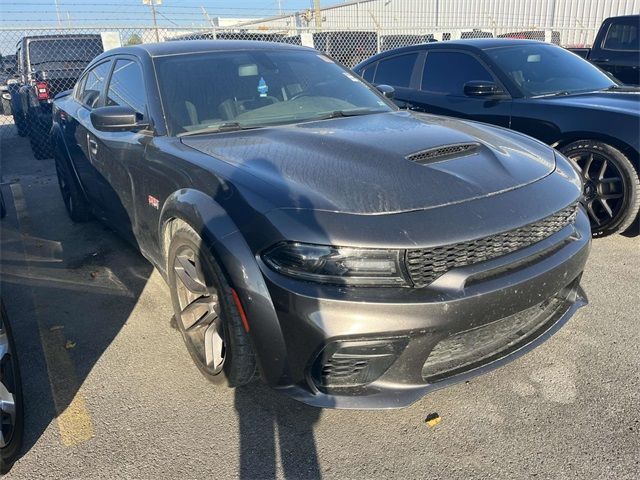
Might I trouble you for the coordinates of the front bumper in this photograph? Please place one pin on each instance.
(387, 347)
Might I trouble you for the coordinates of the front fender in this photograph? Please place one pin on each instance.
(226, 243)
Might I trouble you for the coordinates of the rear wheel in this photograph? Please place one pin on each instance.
(20, 123)
(76, 204)
(205, 311)
(39, 138)
(611, 185)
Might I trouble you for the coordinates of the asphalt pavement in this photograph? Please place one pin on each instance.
(111, 392)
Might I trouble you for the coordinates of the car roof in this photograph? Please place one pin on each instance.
(468, 44)
(181, 47)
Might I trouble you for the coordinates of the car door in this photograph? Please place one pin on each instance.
(619, 52)
(117, 154)
(79, 133)
(441, 89)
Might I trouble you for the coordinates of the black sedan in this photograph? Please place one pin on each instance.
(357, 255)
(538, 89)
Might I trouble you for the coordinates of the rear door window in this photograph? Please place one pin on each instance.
(622, 35)
(126, 87)
(396, 71)
(93, 83)
(447, 72)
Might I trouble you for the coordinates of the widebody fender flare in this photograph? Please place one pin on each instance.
(225, 241)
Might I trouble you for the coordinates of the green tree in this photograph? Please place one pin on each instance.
(134, 40)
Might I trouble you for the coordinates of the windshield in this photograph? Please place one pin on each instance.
(67, 50)
(548, 69)
(248, 89)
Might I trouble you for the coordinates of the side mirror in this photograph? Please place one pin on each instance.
(117, 119)
(387, 91)
(482, 88)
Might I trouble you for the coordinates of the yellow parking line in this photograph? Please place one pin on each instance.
(73, 418)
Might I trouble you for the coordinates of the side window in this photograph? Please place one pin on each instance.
(126, 87)
(396, 71)
(622, 36)
(93, 83)
(368, 72)
(447, 72)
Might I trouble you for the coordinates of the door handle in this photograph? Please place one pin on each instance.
(93, 145)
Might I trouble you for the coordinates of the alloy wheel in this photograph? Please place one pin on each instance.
(7, 390)
(199, 317)
(604, 189)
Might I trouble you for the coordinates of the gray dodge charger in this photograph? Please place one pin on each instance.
(354, 255)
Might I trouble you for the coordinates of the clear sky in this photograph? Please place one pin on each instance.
(184, 13)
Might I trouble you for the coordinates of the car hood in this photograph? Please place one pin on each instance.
(360, 165)
(622, 101)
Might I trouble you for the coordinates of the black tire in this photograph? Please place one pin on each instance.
(6, 106)
(235, 364)
(77, 206)
(13, 430)
(20, 123)
(612, 185)
(39, 139)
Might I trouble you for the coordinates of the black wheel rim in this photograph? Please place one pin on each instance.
(199, 317)
(64, 190)
(605, 194)
(7, 390)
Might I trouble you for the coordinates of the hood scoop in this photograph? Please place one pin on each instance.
(443, 152)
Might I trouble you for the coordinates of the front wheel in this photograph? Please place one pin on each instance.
(11, 409)
(205, 310)
(611, 185)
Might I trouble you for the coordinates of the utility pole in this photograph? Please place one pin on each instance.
(57, 12)
(152, 4)
(280, 7)
(317, 13)
(211, 22)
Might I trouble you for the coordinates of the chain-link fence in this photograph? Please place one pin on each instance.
(39, 63)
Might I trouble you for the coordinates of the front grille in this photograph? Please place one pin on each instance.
(467, 350)
(442, 153)
(427, 264)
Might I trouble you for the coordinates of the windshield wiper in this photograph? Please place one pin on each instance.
(223, 127)
(561, 93)
(347, 113)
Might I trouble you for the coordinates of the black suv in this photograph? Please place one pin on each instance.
(46, 65)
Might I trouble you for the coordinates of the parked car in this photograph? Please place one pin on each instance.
(360, 255)
(7, 74)
(616, 48)
(11, 408)
(538, 89)
(47, 65)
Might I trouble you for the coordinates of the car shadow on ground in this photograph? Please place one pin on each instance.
(70, 289)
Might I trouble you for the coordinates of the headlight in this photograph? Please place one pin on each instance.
(337, 265)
